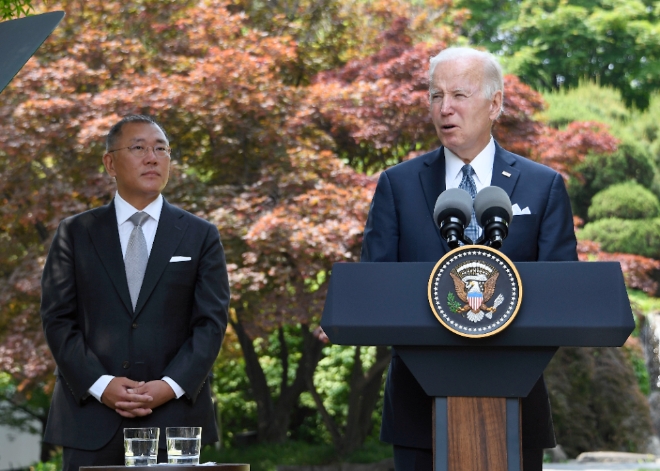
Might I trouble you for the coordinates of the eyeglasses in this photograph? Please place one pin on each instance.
(141, 151)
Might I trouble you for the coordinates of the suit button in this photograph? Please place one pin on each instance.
(126, 364)
(135, 325)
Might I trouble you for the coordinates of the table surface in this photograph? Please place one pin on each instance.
(174, 467)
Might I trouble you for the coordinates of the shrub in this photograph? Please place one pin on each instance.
(628, 200)
(587, 102)
(631, 161)
(596, 401)
(639, 236)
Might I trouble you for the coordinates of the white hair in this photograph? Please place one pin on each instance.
(493, 78)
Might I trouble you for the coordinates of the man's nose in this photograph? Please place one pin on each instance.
(150, 155)
(446, 106)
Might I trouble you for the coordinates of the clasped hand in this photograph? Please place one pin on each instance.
(136, 399)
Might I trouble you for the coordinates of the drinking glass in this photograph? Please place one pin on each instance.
(141, 446)
(183, 444)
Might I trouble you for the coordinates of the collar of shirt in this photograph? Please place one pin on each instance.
(125, 210)
(482, 165)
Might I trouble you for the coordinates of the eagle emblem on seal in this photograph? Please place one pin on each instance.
(474, 283)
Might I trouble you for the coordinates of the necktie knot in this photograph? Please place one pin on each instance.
(139, 218)
(467, 170)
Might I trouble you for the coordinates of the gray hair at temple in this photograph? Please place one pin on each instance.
(493, 77)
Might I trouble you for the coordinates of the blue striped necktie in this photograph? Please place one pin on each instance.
(473, 231)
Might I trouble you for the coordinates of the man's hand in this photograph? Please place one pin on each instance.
(320, 335)
(123, 396)
(159, 390)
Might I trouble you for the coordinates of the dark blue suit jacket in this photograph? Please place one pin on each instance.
(400, 228)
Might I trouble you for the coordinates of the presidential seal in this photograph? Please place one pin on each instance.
(475, 291)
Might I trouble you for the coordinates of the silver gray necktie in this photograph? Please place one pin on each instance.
(137, 256)
(473, 231)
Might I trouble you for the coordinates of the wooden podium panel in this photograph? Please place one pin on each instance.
(476, 433)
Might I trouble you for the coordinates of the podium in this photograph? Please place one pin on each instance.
(477, 383)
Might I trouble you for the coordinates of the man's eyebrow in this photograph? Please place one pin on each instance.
(142, 139)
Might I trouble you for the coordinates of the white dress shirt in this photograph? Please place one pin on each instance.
(124, 211)
(482, 165)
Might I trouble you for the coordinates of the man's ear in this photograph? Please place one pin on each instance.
(109, 164)
(495, 105)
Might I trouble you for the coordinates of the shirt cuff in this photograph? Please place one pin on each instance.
(175, 387)
(99, 386)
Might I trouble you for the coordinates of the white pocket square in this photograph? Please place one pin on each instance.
(519, 212)
(180, 259)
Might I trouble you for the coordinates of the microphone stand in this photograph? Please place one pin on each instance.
(494, 232)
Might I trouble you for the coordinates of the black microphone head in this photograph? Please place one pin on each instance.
(492, 201)
(453, 202)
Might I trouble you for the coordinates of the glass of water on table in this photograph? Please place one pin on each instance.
(183, 444)
(141, 446)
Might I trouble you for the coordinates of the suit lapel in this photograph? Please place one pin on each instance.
(171, 228)
(432, 178)
(105, 237)
(503, 165)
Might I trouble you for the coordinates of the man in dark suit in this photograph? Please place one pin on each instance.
(134, 308)
(466, 94)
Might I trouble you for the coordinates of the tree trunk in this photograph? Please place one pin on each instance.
(363, 396)
(274, 417)
(365, 391)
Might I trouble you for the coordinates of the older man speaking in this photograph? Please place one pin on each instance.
(466, 96)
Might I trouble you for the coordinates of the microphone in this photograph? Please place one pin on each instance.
(492, 208)
(452, 213)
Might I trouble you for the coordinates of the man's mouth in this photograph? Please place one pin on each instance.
(448, 127)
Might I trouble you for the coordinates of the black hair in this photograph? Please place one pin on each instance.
(115, 131)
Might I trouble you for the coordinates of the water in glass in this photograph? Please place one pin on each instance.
(140, 451)
(182, 450)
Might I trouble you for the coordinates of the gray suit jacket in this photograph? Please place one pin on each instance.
(176, 330)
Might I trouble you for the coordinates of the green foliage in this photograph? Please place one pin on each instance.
(19, 409)
(641, 301)
(631, 161)
(454, 305)
(592, 102)
(231, 388)
(331, 379)
(266, 457)
(638, 130)
(486, 16)
(54, 464)
(236, 405)
(557, 43)
(586, 102)
(640, 236)
(596, 401)
(10, 9)
(628, 200)
(641, 373)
